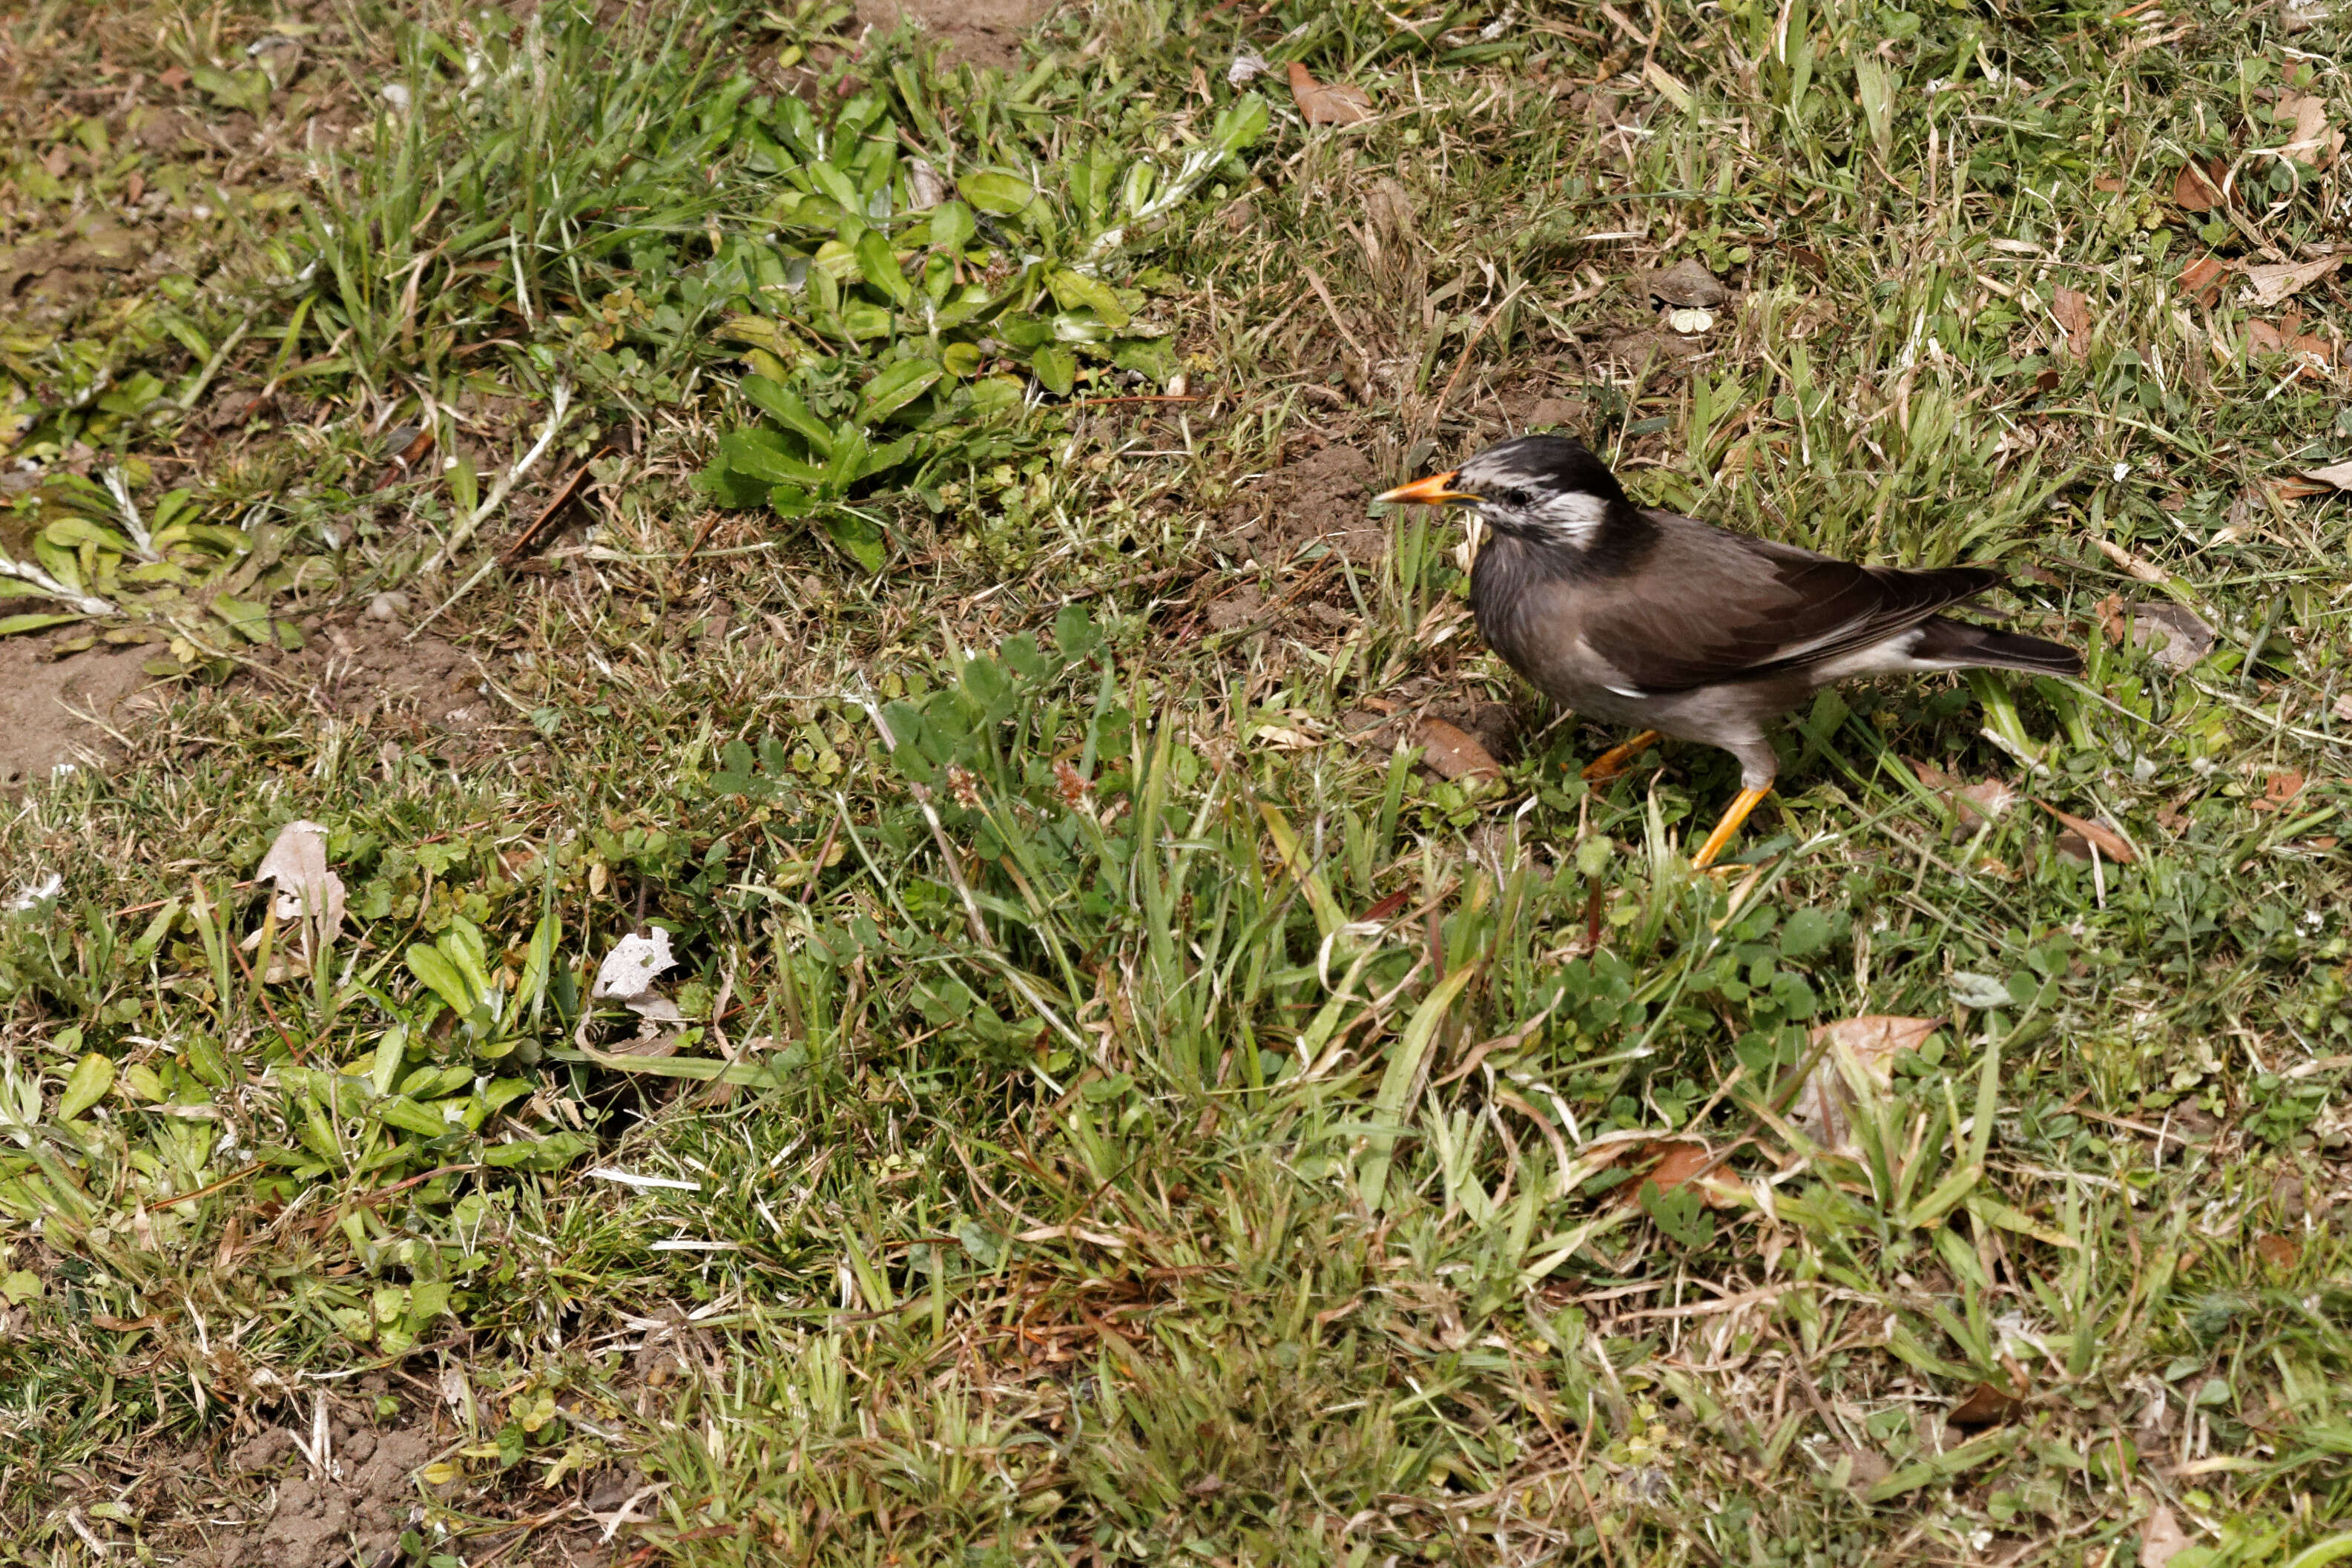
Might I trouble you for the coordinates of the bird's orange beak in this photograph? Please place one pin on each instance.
(1434, 491)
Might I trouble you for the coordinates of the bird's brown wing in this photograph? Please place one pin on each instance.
(1707, 606)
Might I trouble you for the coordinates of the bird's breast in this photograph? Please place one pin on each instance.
(1531, 611)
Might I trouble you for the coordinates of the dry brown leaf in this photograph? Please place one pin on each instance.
(2107, 182)
(2185, 637)
(1934, 777)
(1988, 1404)
(1453, 753)
(1860, 1050)
(1680, 1162)
(309, 907)
(2201, 280)
(1975, 802)
(2109, 842)
(2161, 1539)
(2311, 141)
(2278, 790)
(2336, 474)
(2198, 189)
(2289, 338)
(2073, 308)
(2275, 283)
(1327, 103)
(2279, 1251)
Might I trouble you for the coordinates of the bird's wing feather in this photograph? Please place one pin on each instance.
(1766, 608)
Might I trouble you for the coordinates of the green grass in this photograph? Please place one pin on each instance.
(1123, 1107)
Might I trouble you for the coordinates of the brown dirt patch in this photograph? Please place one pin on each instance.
(48, 280)
(1319, 498)
(983, 32)
(1236, 610)
(354, 1513)
(44, 701)
(361, 666)
(1618, 351)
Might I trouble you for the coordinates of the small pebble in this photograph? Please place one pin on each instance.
(388, 606)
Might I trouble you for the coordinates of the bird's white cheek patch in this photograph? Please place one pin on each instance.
(1573, 518)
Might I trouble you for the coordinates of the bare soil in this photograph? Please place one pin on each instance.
(350, 1514)
(351, 1510)
(982, 32)
(1321, 498)
(361, 666)
(55, 713)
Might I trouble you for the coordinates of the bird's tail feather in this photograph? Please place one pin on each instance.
(1961, 646)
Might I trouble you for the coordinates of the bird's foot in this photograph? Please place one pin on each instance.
(1742, 803)
(1609, 763)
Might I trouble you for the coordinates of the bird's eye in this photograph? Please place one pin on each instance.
(1512, 498)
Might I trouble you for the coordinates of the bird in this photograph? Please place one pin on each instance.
(1641, 616)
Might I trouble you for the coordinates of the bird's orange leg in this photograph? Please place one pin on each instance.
(1616, 759)
(1742, 803)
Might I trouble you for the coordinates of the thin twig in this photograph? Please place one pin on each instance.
(565, 494)
(1437, 409)
(497, 498)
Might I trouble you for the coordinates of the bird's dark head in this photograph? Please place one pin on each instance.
(1546, 489)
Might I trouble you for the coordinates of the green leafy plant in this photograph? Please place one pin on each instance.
(884, 305)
